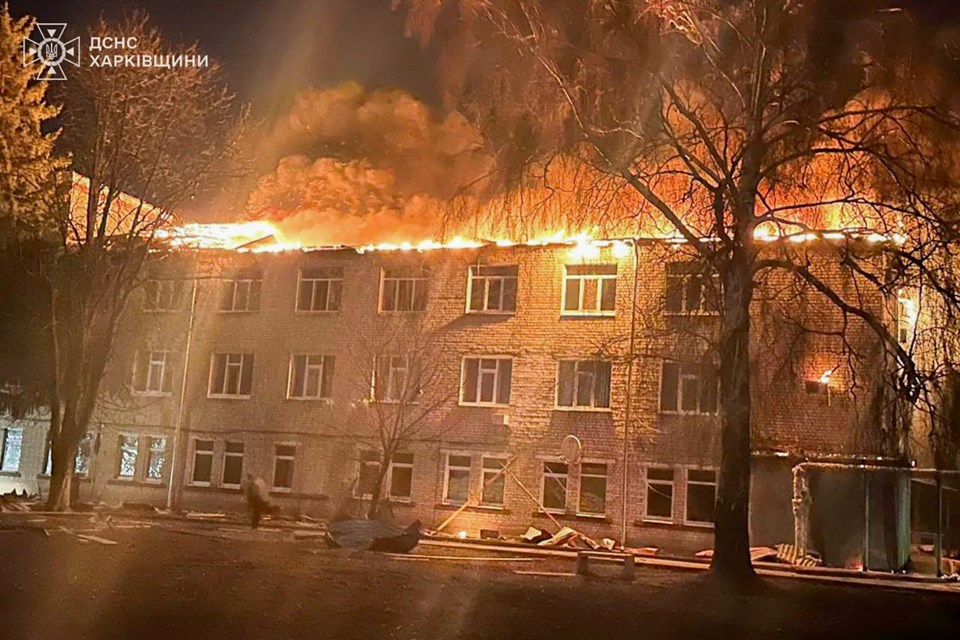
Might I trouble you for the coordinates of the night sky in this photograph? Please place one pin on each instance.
(273, 48)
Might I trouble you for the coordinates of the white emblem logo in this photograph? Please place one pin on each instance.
(48, 51)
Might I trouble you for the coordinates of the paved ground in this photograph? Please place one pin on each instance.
(220, 581)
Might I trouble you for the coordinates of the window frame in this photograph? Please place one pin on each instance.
(4, 436)
(473, 278)
(543, 485)
(223, 464)
(233, 283)
(607, 465)
(147, 392)
(326, 361)
(497, 374)
(213, 367)
(388, 480)
(576, 388)
(407, 368)
(330, 280)
(291, 458)
(706, 524)
(484, 471)
(152, 451)
(193, 464)
(176, 295)
(445, 497)
(679, 411)
(420, 278)
(89, 439)
(134, 476)
(647, 517)
(601, 279)
(694, 270)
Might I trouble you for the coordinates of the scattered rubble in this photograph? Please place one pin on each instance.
(372, 535)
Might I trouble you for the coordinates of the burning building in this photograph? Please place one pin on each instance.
(568, 381)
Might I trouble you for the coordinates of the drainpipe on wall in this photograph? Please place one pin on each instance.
(181, 409)
(628, 405)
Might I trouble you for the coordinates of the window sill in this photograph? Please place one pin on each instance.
(588, 314)
(10, 474)
(46, 476)
(584, 409)
(688, 414)
(151, 394)
(237, 312)
(321, 401)
(482, 405)
(476, 508)
(207, 487)
(166, 311)
(569, 515)
(318, 312)
(136, 483)
(491, 313)
(227, 397)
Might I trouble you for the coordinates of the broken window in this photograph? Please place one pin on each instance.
(691, 289)
(162, 295)
(590, 289)
(369, 472)
(155, 459)
(82, 463)
(659, 496)
(11, 445)
(202, 462)
(701, 495)
(232, 464)
(583, 384)
(404, 289)
(311, 377)
(492, 289)
(456, 486)
(231, 375)
(554, 486)
(127, 459)
(242, 293)
(486, 381)
(401, 476)
(494, 481)
(689, 387)
(153, 373)
(394, 380)
(320, 289)
(593, 488)
(283, 458)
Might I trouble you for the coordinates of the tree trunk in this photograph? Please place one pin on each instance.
(377, 492)
(731, 557)
(63, 454)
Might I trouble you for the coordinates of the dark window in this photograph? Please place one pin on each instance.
(153, 372)
(283, 459)
(404, 289)
(590, 289)
(659, 502)
(231, 374)
(311, 377)
(162, 295)
(241, 293)
(320, 289)
(494, 481)
(369, 471)
(555, 486)
(492, 289)
(458, 479)
(233, 464)
(701, 495)
(593, 488)
(688, 387)
(202, 461)
(583, 383)
(401, 475)
(691, 289)
(486, 381)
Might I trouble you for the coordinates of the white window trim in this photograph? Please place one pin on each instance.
(425, 279)
(228, 396)
(137, 459)
(223, 463)
(483, 480)
(233, 282)
(301, 279)
(543, 484)
(673, 495)
(161, 282)
(678, 411)
(683, 297)
(373, 380)
(317, 398)
(193, 462)
(293, 459)
(686, 493)
(446, 477)
(496, 380)
(579, 408)
(361, 463)
(166, 363)
(3, 448)
(610, 470)
(486, 279)
(388, 480)
(580, 311)
(149, 450)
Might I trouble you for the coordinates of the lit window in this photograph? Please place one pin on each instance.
(554, 486)
(153, 373)
(127, 460)
(401, 476)
(494, 481)
(82, 462)
(311, 377)
(486, 381)
(162, 295)
(231, 374)
(404, 289)
(232, 464)
(701, 495)
(283, 459)
(320, 289)
(593, 488)
(492, 289)
(590, 289)
(394, 380)
(687, 387)
(691, 289)
(11, 445)
(659, 497)
(583, 384)
(156, 458)
(241, 293)
(456, 485)
(202, 462)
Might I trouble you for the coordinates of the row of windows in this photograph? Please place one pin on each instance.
(484, 381)
(231, 457)
(587, 290)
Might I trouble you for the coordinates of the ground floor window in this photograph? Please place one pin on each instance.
(11, 444)
(82, 463)
(701, 495)
(401, 476)
(494, 481)
(369, 472)
(232, 464)
(202, 462)
(659, 496)
(456, 485)
(127, 457)
(554, 486)
(157, 454)
(593, 488)
(283, 459)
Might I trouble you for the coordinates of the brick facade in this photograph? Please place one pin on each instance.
(330, 435)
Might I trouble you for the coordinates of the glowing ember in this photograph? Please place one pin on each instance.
(826, 375)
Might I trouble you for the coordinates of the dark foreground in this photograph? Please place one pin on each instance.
(217, 582)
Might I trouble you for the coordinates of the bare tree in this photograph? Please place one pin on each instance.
(158, 132)
(734, 122)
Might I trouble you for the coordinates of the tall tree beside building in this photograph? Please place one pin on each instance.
(735, 121)
(159, 132)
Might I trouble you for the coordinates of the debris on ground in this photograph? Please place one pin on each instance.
(14, 502)
(643, 551)
(791, 554)
(372, 535)
(608, 543)
(199, 515)
(568, 537)
(535, 536)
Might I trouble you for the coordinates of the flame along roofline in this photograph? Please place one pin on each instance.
(268, 244)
